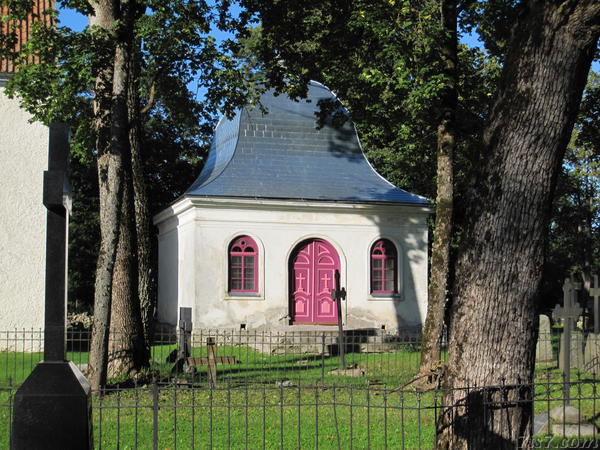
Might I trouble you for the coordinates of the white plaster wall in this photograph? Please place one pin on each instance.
(23, 159)
(206, 227)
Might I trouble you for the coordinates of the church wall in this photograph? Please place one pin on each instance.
(277, 227)
(23, 159)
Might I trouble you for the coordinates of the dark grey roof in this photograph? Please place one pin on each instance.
(282, 154)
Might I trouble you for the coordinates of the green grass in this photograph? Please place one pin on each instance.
(389, 368)
(268, 417)
(249, 406)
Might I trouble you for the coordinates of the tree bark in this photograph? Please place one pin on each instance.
(116, 304)
(109, 181)
(127, 352)
(146, 278)
(446, 143)
(499, 266)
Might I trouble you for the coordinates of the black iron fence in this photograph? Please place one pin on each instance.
(267, 389)
(271, 415)
(374, 356)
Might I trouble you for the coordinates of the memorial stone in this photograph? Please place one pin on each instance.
(576, 350)
(569, 312)
(594, 292)
(51, 409)
(591, 356)
(544, 353)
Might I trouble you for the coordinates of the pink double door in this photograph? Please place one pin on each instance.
(313, 267)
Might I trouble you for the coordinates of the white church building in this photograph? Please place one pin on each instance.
(278, 208)
(23, 160)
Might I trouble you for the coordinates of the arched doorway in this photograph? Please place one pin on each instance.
(312, 270)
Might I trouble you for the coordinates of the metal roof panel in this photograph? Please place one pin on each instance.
(283, 154)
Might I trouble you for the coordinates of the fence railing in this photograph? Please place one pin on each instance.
(269, 415)
(285, 389)
(376, 356)
(372, 356)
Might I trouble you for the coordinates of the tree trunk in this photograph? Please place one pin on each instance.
(146, 278)
(127, 349)
(127, 352)
(499, 266)
(116, 305)
(446, 142)
(109, 182)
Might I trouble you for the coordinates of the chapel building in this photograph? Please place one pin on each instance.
(281, 205)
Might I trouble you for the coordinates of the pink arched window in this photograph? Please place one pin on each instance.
(384, 267)
(243, 265)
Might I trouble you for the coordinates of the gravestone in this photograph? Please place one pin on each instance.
(338, 294)
(594, 292)
(184, 340)
(52, 408)
(591, 356)
(544, 353)
(568, 421)
(576, 350)
(570, 311)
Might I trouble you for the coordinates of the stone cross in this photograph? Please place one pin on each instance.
(57, 200)
(595, 293)
(569, 312)
(184, 340)
(339, 294)
(52, 408)
(185, 332)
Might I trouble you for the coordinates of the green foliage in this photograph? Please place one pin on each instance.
(84, 234)
(185, 79)
(382, 60)
(575, 226)
(493, 21)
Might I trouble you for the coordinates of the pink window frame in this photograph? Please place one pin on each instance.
(248, 248)
(385, 251)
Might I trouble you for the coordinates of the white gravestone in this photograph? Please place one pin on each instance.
(576, 349)
(543, 349)
(591, 355)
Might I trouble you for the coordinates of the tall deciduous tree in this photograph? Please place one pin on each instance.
(499, 266)
(131, 49)
(444, 202)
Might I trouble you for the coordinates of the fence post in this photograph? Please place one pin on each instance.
(154, 414)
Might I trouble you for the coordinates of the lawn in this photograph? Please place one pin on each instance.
(266, 417)
(391, 369)
(278, 401)
(273, 416)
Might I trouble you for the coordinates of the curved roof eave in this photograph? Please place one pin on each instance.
(283, 155)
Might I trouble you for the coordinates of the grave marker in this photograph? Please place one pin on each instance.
(568, 312)
(595, 293)
(184, 340)
(591, 355)
(543, 350)
(339, 294)
(575, 351)
(52, 408)
(212, 361)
